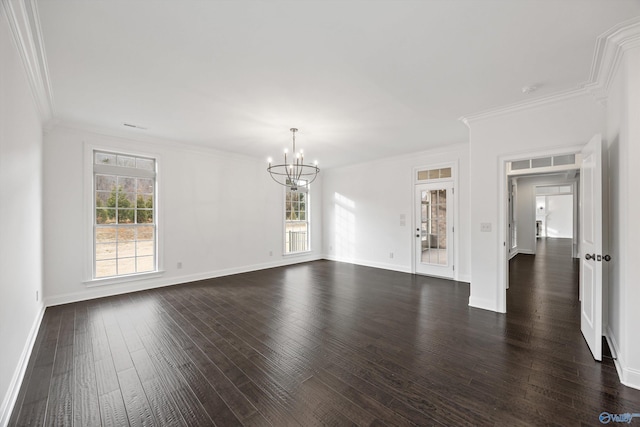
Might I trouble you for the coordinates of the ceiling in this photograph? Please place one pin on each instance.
(361, 79)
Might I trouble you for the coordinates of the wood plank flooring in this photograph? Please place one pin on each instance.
(324, 343)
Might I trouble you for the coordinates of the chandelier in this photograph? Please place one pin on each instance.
(293, 173)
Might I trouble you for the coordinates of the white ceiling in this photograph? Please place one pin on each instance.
(361, 79)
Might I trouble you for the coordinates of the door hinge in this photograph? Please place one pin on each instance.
(453, 190)
(454, 267)
(453, 229)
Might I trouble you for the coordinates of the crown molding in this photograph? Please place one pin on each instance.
(609, 51)
(24, 24)
(525, 105)
(99, 134)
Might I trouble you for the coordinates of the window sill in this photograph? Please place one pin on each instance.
(293, 254)
(122, 279)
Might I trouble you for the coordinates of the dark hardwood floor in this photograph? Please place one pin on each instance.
(324, 343)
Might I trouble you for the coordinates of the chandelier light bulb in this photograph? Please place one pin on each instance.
(269, 159)
(293, 173)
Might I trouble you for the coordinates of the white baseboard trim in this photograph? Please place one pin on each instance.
(145, 284)
(519, 251)
(631, 378)
(628, 376)
(11, 396)
(373, 264)
(483, 303)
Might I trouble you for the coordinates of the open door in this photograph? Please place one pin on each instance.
(591, 245)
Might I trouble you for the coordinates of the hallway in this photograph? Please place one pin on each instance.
(543, 314)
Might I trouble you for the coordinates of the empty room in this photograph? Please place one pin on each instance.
(282, 213)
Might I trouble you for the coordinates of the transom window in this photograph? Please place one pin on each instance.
(125, 214)
(296, 234)
(425, 175)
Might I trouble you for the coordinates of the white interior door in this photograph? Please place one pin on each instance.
(434, 229)
(591, 246)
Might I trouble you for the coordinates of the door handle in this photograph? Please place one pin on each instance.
(607, 258)
(589, 256)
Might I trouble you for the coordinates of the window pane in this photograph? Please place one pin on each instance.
(126, 216)
(105, 216)
(144, 216)
(126, 200)
(102, 199)
(105, 251)
(146, 164)
(144, 201)
(105, 159)
(106, 268)
(126, 234)
(126, 265)
(145, 233)
(445, 173)
(105, 234)
(126, 161)
(145, 186)
(126, 184)
(105, 182)
(567, 159)
(539, 163)
(145, 264)
(126, 249)
(520, 164)
(145, 247)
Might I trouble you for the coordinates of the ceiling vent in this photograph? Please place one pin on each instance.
(134, 126)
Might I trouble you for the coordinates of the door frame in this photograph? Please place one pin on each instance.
(426, 269)
(503, 211)
(454, 165)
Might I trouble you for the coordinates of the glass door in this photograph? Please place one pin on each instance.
(434, 229)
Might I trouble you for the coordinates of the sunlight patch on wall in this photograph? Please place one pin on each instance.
(345, 232)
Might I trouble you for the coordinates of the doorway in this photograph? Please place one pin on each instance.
(434, 218)
(541, 206)
(588, 160)
(434, 240)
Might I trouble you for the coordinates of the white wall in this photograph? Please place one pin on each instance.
(20, 219)
(623, 146)
(220, 214)
(560, 216)
(363, 205)
(563, 123)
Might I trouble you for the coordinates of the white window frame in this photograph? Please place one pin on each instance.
(301, 189)
(90, 212)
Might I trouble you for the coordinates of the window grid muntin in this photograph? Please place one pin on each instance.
(297, 224)
(140, 178)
